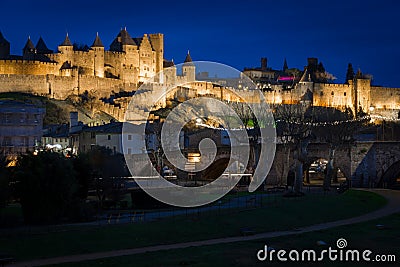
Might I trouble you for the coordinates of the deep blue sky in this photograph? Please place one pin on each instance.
(365, 33)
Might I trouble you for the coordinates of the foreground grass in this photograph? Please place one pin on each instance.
(359, 236)
(280, 214)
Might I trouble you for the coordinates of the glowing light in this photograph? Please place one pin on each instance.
(194, 157)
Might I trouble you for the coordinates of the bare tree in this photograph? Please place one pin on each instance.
(337, 128)
(294, 132)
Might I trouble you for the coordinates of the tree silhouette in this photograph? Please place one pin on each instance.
(46, 187)
(349, 73)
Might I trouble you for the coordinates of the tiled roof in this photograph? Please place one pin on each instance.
(97, 42)
(41, 47)
(67, 41)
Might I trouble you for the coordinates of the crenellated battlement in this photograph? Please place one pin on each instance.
(29, 62)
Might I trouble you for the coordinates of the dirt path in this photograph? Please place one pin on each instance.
(393, 206)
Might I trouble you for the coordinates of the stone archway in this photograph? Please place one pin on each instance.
(391, 178)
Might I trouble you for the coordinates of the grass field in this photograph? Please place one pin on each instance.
(282, 214)
(359, 236)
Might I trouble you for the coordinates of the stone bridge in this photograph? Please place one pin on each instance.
(365, 164)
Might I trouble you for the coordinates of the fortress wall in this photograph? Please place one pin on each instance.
(279, 96)
(27, 67)
(334, 95)
(36, 84)
(385, 98)
(62, 86)
(102, 86)
(363, 93)
(85, 60)
(115, 60)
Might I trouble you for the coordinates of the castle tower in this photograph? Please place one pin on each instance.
(157, 41)
(4, 47)
(66, 49)
(29, 50)
(285, 66)
(362, 92)
(123, 42)
(264, 63)
(146, 59)
(169, 72)
(189, 69)
(41, 47)
(98, 62)
(128, 67)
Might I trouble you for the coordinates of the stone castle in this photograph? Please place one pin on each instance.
(130, 62)
(357, 93)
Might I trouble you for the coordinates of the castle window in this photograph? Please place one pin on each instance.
(332, 93)
(344, 93)
(109, 137)
(321, 94)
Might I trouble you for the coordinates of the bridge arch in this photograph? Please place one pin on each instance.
(315, 171)
(391, 178)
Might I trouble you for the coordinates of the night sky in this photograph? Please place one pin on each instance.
(364, 33)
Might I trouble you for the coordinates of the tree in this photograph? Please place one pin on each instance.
(337, 128)
(5, 190)
(84, 174)
(254, 124)
(349, 73)
(104, 166)
(46, 187)
(294, 130)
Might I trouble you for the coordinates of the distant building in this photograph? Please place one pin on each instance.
(20, 127)
(56, 137)
(111, 136)
(262, 75)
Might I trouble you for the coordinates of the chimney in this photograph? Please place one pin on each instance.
(73, 119)
(264, 63)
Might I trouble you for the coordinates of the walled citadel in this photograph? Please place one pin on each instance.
(130, 62)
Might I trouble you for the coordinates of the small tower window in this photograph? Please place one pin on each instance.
(344, 93)
(332, 93)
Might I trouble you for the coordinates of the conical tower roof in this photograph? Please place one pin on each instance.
(188, 59)
(41, 47)
(124, 37)
(285, 65)
(97, 42)
(67, 41)
(3, 40)
(29, 46)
